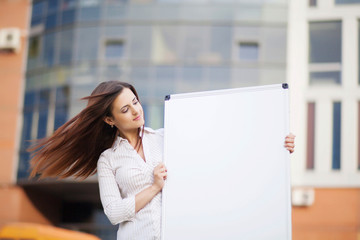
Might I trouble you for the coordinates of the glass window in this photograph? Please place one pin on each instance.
(140, 43)
(242, 77)
(325, 36)
(36, 21)
(89, 10)
(221, 42)
(68, 17)
(53, 6)
(325, 52)
(310, 136)
(68, 11)
(61, 106)
(325, 77)
(196, 38)
(165, 78)
(165, 44)
(49, 49)
(38, 9)
(312, 3)
(26, 128)
(29, 99)
(87, 38)
(218, 78)
(51, 21)
(346, 1)
(192, 73)
(141, 78)
(112, 71)
(114, 49)
(336, 156)
(34, 47)
(44, 100)
(66, 46)
(24, 165)
(68, 4)
(34, 52)
(248, 51)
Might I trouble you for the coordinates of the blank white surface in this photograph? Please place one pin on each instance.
(228, 170)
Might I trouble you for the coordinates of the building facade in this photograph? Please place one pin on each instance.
(323, 72)
(161, 47)
(14, 21)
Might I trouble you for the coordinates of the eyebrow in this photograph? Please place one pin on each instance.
(128, 104)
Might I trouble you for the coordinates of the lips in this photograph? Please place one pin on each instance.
(137, 118)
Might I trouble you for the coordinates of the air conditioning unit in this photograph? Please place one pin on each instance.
(302, 197)
(10, 39)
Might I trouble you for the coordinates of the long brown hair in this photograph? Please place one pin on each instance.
(74, 148)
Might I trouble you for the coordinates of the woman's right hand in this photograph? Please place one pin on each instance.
(160, 175)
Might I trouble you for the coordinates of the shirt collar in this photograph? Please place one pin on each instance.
(119, 139)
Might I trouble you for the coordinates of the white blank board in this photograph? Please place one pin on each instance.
(228, 169)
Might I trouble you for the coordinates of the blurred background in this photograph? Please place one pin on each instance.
(53, 52)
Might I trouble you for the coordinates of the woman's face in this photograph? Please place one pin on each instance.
(127, 113)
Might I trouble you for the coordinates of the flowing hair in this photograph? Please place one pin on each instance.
(75, 147)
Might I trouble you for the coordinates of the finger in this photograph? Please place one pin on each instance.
(288, 139)
(291, 145)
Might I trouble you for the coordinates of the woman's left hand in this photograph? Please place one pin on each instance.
(290, 142)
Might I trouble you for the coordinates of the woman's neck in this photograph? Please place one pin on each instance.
(132, 137)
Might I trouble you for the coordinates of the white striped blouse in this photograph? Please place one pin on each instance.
(122, 173)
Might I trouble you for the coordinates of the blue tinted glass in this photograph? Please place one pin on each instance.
(61, 112)
(51, 21)
(42, 125)
(62, 95)
(219, 74)
(49, 49)
(324, 36)
(38, 9)
(248, 51)
(61, 108)
(52, 5)
(221, 42)
(165, 72)
(23, 166)
(325, 77)
(66, 46)
(29, 99)
(90, 13)
(346, 1)
(36, 21)
(68, 4)
(192, 73)
(44, 97)
(68, 17)
(336, 156)
(26, 129)
(114, 50)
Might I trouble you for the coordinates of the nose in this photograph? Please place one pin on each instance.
(135, 111)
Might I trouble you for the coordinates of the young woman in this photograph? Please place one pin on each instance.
(109, 137)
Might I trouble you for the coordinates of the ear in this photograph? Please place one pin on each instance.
(109, 120)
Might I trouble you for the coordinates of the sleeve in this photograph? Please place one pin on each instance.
(116, 208)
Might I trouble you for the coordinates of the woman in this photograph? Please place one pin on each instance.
(109, 136)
